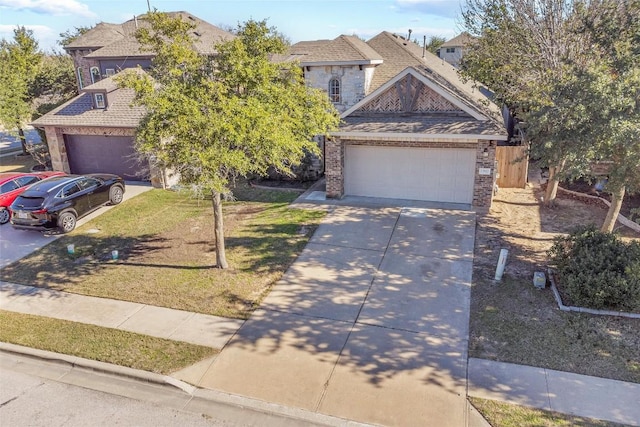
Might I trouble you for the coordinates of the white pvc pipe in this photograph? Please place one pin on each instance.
(502, 260)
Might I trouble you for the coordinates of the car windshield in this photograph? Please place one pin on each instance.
(28, 202)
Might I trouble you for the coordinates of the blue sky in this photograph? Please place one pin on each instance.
(297, 19)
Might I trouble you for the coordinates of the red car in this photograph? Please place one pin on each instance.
(14, 183)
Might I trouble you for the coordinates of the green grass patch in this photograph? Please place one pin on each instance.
(501, 414)
(15, 163)
(165, 242)
(98, 343)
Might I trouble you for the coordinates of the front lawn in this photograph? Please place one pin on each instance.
(166, 255)
(512, 321)
(97, 343)
(501, 414)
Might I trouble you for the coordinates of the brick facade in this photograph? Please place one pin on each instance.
(82, 66)
(483, 184)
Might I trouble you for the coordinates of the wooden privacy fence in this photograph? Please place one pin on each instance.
(513, 165)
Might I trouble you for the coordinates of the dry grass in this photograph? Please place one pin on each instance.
(15, 163)
(97, 343)
(514, 322)
(500, 414)
(167, 255)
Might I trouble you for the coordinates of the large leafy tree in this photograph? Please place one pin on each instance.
(610, 85)
(213, 118)
(20, 59)
(524, 51)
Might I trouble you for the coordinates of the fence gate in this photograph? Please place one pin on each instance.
(513, 166)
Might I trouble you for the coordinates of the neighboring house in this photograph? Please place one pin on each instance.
(411, 129)
(452, 51)
(95, 131)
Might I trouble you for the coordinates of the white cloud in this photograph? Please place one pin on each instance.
(45, 36)
(445, 8)
(50, 7)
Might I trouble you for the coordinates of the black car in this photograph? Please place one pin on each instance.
(59, 201)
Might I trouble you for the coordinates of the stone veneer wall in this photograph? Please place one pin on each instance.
(483, 188)
(354, 82)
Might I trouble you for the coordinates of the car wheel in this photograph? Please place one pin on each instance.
(115, 195)
(67, 222)
(5, 215)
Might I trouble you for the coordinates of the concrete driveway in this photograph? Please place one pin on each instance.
(369, 324)
(16, 244)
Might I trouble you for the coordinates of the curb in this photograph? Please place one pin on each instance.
(97, 366)
(563, 307)
(214, 396)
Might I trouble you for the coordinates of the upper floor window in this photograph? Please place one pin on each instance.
(334, 90)
(110, 72)
(451, 50)
(100, 101)
(95, 74)
(80, 82)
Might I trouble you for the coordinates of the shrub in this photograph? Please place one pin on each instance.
(598, 270)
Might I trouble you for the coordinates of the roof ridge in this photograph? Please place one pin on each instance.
(353, 45)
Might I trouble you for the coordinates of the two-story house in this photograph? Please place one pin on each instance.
(452, 50)
(95, 131)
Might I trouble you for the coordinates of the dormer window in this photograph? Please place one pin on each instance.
(100, 100)
(95, 75)
(451, 50)
(334, 90)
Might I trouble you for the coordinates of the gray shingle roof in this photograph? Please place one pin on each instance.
(398, 54)
(340, 49)
(79, 111)
(462, 39)
(118, 40)
(420, 124)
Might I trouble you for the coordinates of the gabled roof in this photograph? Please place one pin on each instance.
(413, 103)
(398, 54)
(118, 40)
(80, 112)
(342, 49)
(462, 39)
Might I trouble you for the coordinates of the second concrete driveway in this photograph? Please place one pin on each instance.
(16, 244)
(369, 324)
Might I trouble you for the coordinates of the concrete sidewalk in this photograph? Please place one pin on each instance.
(195, 328)
(564, 392)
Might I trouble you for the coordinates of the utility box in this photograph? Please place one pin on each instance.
(539, 280)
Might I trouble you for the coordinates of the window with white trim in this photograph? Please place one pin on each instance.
(110, 72)
(334, 90)
(451, 50)
(100, 101)
(95, 74)
(80, 82)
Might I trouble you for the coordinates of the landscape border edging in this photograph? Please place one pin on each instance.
(563, 307)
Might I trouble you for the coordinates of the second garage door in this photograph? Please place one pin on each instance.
(432, 174)
(102, 154)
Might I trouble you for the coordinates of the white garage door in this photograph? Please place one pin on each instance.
(433, 174)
